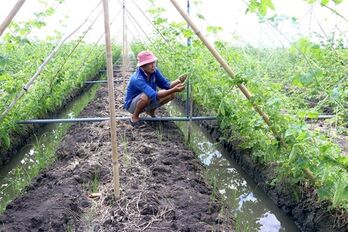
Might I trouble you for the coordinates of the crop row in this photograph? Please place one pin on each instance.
(64, 75)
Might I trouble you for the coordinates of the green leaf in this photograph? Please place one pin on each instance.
(324, 2)
(274, 102)
(296, 81)
(293, 153)
(302, 136)
(6, 140)
(159, 21)
(222, 108)
(304, 45)
(343, 160)
(307, 79)
(336, 93)
(341, 192)
(253, 5)
(200, 16)
(214, 29)
(269, 4)
(312, 114)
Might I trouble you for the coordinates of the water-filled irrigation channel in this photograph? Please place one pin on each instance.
(249, 205)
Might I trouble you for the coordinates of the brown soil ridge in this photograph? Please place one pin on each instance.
(162, 183)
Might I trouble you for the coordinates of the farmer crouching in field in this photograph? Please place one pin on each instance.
(142, 94)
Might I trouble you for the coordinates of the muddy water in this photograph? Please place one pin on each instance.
(249, 205)
(22, 167)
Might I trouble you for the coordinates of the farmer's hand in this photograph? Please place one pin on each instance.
(179, 87)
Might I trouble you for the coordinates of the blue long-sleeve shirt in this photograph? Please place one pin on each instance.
(139, 83)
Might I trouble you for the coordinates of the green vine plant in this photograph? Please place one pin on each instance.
(262, 6)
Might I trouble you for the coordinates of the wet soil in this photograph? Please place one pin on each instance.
(162, 183)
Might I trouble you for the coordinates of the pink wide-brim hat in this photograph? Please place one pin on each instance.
(146, 57)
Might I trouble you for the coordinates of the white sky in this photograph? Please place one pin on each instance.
(238, 27)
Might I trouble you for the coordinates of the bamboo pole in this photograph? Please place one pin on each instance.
(115, 164)
(189, 129)
(124, 46)
(124, 32)
(188, 88)
(11, 15)
(230, 72)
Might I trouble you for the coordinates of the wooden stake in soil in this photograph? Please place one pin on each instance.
(115, 164)
(11, 15)
(230, 72)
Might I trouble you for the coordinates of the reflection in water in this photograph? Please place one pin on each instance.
(206, 157)
(244, 198)
(252, 209)
(269, 223)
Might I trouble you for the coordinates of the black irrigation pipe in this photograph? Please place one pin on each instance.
(104, 70)
(100, 81)
(73, 120)
(321, 117)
